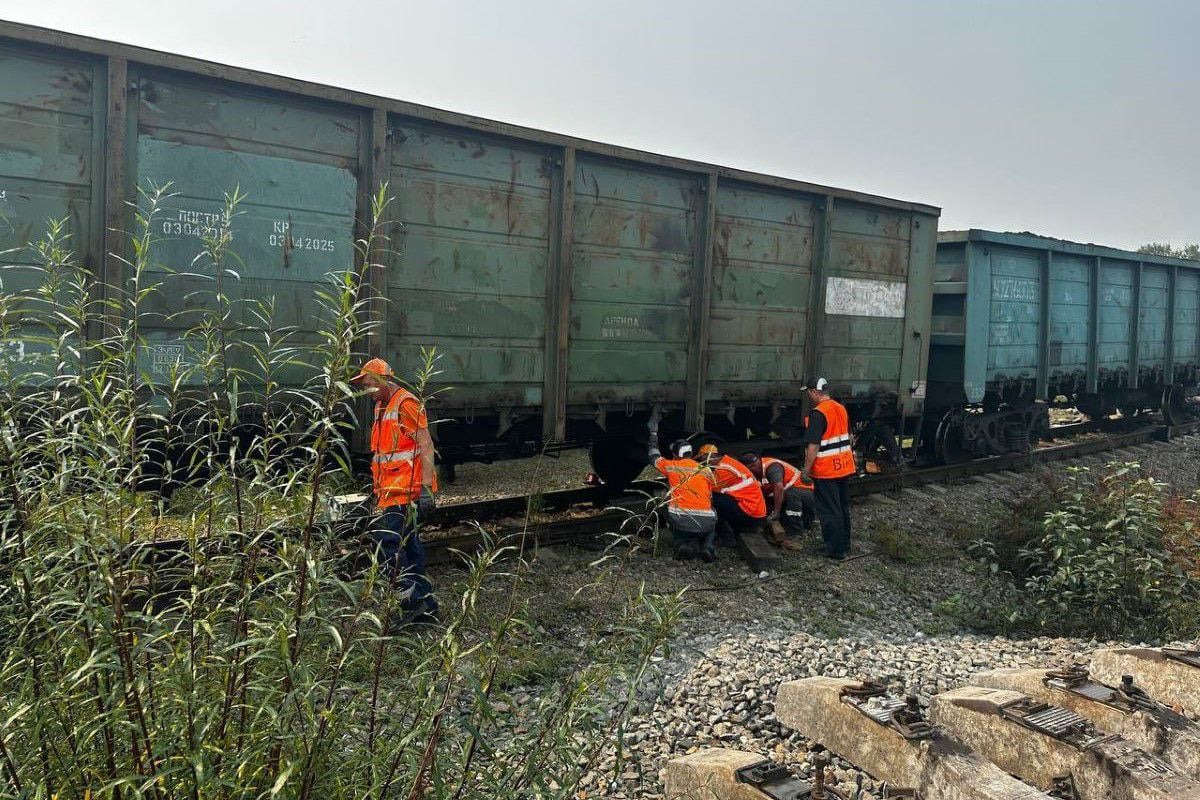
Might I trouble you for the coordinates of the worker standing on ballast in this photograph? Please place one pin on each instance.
(739, 501)
(828, 463)
(791, 497)
(404, 481)
(690, 513)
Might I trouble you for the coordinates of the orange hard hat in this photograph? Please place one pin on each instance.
(376, 366)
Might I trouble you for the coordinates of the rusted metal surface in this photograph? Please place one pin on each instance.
(763, 246)
(51, 163)
(470, 257)
(700, 315)
(551, 272)
(84, 44)
(295, 163)
(631, 282)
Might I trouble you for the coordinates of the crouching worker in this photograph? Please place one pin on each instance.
(739, 501)
(791, 501)
(404, 481)
(690, 512)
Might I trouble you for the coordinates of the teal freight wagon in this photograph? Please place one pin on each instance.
(571, 287)
(1023, 321)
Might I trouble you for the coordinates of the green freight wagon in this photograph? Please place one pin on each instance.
(571, 288)
(1021, 322)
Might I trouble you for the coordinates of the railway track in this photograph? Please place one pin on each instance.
(583, 515)
(616, 509)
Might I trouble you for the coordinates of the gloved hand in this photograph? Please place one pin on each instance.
(805, 477)
(426, 504)
(652, 425)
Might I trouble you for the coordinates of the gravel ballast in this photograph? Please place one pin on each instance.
(879, 615)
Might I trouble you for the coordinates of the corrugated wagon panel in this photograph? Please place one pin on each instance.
(1152, 317)
(471, 253)
(632, 262)
(48, 163)
(295, 226)
(1187, 306)
(1070, 281)
(1116, 293)
(1015, 314)
(864, 303)
(762, 272)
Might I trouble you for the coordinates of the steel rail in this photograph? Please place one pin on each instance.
(631, 513)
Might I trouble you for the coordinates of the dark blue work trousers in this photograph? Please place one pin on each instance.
(833, 509)
(402, 555)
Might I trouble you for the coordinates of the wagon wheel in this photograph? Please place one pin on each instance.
(1091, 405)
(1129, 410)
(1178, 404)
(949, 443)
(613, 461)
(877, 449)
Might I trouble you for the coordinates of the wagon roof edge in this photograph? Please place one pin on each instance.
(80, 43)
(1041, 242)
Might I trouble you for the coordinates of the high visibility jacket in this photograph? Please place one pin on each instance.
(834, 457)
(396, 467)
(691, 486)
(736, 480)
(791, 475)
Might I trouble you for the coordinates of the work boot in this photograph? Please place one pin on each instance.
(789, 543)
(709, 555)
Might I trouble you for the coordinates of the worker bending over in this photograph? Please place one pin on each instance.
(828, 463)
(739, 501)
(790, 497)
(690, 513)
(404, 481)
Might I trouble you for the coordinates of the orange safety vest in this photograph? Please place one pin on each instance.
(834, 456)
(691, 486)
(791, 475)
(396, 466)
(736, 480)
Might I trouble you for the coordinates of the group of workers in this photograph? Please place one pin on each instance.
(708, 492)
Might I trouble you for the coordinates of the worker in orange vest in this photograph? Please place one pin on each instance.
(791, 498)
(739, 501)
(404, 481)
(690, 513)
(828, 463)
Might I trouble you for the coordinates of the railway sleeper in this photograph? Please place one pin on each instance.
(1053, 747)
(722, 774)
(891, 740)
(1171, 676)
(1123, 709)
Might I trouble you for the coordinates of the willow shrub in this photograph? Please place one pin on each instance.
(258, 664)
(1108, 555)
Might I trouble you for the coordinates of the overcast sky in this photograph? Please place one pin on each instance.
(1069, 118)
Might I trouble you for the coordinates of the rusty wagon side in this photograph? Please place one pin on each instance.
(570, 287)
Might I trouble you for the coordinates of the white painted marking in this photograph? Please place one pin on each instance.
(860, 297)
